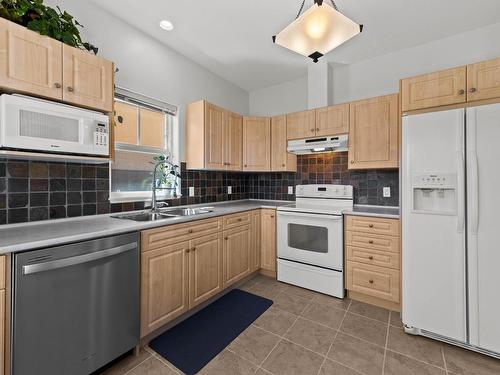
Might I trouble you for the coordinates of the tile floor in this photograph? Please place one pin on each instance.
(309, 333)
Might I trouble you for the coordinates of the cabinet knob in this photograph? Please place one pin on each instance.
(283, 165)
(370, 281)
(370, 225)
(193, 249)
(317, 129)
(272, 216)
(120, 119)
(190, 231)
(57, 85)
(370, 241)
(461, 92)
(71, 89)
(245, 165)
(239, 219)
(226, 238)
(370, 257)
(352, 161)
(187, 251)
(312, 130)
(472, 89)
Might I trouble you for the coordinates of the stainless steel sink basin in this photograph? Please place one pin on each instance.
(145, 216)
(188, 211)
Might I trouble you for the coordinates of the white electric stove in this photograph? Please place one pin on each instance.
(310, 238)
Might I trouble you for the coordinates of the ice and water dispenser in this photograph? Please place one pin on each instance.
(435, 193)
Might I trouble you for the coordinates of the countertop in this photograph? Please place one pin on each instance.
(376, 211)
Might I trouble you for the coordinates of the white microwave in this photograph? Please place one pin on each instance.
(32, 124)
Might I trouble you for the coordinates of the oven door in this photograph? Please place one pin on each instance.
(311, 238)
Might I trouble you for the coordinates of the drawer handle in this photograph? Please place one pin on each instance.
(370, 281)
(71, 89)
(370, 241)
(472, 90)
(370, 257)
(190, 231)
(461, 92)
(226, 238)
(239, 219)
(370, 225)
(57, 85)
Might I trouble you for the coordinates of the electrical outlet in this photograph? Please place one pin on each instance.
(229, 190)
(191, 191)
(386, 192)
(290, 190)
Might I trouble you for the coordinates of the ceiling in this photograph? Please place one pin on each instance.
(232, 38)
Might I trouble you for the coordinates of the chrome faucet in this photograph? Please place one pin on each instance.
(154, 188)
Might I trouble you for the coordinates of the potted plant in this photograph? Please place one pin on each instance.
(37, 16)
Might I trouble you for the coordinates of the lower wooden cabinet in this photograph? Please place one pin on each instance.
(236, 254)
(268, 243)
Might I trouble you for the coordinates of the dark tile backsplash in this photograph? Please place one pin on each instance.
(33, 191)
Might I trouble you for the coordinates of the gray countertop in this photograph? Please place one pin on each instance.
(29, 236)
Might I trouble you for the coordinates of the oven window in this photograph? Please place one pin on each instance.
(308, 237)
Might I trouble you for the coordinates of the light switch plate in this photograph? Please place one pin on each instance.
(290, 190)
(229, 190)
(386, 192)
(191, 191)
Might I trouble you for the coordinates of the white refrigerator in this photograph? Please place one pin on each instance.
(451, 226)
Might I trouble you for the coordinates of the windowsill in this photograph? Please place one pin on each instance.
(137, 196)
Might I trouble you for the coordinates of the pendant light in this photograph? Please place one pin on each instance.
(318, 31)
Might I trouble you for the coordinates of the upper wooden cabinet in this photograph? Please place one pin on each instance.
(215, 136)
(373, 134)
(332, 120)
(301, 125)
(256, 144)
(483, 80)
(281, 160)
(126, 120)
(234, 142)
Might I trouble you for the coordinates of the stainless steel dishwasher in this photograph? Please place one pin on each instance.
(75, 307)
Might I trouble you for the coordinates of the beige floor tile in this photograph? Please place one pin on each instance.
(254, 344)
(290, 303)
(364, 328)
(128, 363)
(276, 320)
(301, 292)
(152, 366)
(227, 363)
(418, 347)
(261, 371)
(264, 280)
(466, 362)
(289, 359)
(398, 364)
(369, 311)
(334, 368)
(312, 335)
(395, 319)
(326, 315)
(263, 290)
(332, 302)
(357, 354)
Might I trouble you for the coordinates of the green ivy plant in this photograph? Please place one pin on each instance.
(37, 16)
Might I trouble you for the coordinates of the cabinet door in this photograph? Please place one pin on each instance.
(88, 79)
(281, 160)
(234, 142)
(483, 80)
(152, 128)
(434, 89)
(29, 62)
(373, 133)
(215, 134)
(236, 254)
(255, 247)
(126, 116)
(332, 120)
(268, 241)
(205, 268)
(301, 125)
(256, 144)
(164, 285)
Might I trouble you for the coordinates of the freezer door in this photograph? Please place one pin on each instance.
(433, 234)
(483, 205)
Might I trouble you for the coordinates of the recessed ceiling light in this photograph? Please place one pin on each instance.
(166, 25)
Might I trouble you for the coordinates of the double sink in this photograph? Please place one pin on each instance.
(164, 214)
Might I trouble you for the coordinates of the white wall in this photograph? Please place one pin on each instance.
(151, 68)
(284, 98)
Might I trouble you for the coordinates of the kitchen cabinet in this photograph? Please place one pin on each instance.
(332, 120)
(268, 242)
(373, 133)
(234, 142)
(255, 244)
(301, 125)
(236, 254)
(215, 133)
(256, 144)
(126, 123)
(483, 80)
(152, 128)
(281, 160)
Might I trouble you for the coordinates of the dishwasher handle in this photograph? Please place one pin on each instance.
(79, 259)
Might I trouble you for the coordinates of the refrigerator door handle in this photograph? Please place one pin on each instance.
(474, 188)
(461, 192)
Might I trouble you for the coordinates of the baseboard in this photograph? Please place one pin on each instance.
(374, 301)
(268, 273)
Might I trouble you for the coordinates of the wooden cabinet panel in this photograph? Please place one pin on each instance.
(152, 128)
(87, 79)
(215, 133)
(483, 80)
(373, 257)
(236, 220)
(268, 241)
(29, 62)
(126, 117)
(255, 245)
(374, 225)
(236, 254)
(281, 160)
(434, 89)
(301, 125)
(256, 144)
(373, 241)
(234, 142)
(2, 271)
(374, 281)
(373, 133)
(332, 120)
(205, 268)
(164, 285)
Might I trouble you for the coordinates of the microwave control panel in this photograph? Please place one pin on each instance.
(101, 135)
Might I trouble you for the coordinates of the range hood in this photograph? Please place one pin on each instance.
(318, 145)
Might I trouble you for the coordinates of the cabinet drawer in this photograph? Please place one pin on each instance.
(235, 220)
(2, 272)
(154, 238)
(372, 241)
(373, 257)
(374, 225)
(373, 281)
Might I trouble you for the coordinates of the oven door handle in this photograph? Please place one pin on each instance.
(310, 216)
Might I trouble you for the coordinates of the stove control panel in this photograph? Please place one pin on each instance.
(324, 191)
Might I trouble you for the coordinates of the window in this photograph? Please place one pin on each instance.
(146, 131)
